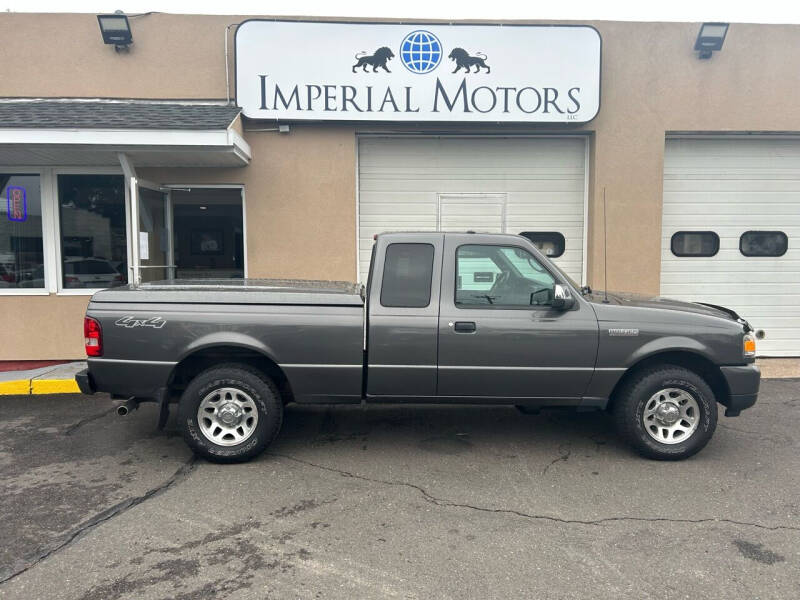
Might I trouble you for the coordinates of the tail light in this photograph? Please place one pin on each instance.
(92, 337)
(71, 281)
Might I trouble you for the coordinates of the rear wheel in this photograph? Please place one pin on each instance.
(230, 413)
(666, 412)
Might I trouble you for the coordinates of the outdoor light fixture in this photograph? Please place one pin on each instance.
(710, 38)
(116, 30)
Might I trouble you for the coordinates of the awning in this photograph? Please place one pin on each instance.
(94, 133)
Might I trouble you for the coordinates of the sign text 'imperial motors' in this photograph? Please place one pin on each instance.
(289, 70)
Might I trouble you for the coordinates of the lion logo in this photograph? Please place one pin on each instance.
(379, 59)
(465, 61)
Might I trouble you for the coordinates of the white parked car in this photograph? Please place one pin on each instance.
(90, 273)
(80, 273)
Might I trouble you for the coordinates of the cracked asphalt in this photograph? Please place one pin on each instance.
(407, 502)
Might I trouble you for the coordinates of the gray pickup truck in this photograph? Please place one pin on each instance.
(444, 318)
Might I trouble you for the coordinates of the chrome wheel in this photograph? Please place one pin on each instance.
(671, 416)
(227, 416)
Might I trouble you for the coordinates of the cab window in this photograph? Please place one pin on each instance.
(501, 277)
(407, 273)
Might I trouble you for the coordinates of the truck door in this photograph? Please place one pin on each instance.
(499, 337)
(403, 315)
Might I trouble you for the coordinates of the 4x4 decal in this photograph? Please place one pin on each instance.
(156, 322)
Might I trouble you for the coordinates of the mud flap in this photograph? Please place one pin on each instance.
(163, 408)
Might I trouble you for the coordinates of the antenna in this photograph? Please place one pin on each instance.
(605, 250)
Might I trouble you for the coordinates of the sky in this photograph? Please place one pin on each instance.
(731, 11)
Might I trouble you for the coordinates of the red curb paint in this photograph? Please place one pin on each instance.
(25, 365)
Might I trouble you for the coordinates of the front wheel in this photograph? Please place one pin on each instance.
(666, 412)
(230, 413)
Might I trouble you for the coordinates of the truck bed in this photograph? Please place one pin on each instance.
(237, 291)
(313, 330)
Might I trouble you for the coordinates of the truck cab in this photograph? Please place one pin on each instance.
(475, 318)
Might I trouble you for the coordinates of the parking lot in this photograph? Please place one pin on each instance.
(408, 502)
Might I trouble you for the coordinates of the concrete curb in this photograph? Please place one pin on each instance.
(57, 379)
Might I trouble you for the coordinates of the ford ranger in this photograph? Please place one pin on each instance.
(444, 318)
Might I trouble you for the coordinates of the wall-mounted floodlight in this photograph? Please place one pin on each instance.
(116, 30)
(710, 38)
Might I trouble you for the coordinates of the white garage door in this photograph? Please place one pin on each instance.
(501, 185)
(746, 192)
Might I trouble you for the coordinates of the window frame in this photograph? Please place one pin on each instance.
(785, 246)
(545, 307)
(556, 234)
(685, 255)
(51, 223)
(430, 282)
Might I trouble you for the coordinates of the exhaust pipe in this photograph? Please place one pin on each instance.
(129, 405)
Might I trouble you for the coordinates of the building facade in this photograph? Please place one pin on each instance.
(192, 153)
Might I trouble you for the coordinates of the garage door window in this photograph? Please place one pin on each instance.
(550, 243)
(407, 276)
(695, 243)
(763, 243)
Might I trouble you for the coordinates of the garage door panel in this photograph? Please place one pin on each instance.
(718, 276)
(730, 186)
(540, 183)
(472, 182)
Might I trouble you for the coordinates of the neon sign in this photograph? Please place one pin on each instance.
(17, 203)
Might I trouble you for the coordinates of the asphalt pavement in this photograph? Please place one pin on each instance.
(396, 502)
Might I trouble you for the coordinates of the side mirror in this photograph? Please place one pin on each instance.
(562, 298)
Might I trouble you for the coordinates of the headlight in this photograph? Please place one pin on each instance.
(749, 344)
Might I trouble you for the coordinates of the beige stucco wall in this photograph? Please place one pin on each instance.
(42, 327)
(300, 187)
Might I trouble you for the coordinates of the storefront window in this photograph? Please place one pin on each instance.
(21, 252)
(94, 251)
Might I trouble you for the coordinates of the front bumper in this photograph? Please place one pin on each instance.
(85, 382)
(743, 383)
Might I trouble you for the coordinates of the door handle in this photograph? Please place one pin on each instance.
(465, 327)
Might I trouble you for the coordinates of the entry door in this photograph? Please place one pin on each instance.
(498, 335)
(152, 240)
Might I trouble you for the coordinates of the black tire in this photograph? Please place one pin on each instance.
(257, 386)
(632, 399)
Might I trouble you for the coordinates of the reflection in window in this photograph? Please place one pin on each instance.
(763, 243)
(695, 243)
(21, 253)
(94, 251)
(550, 243)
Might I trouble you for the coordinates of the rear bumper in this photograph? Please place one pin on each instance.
(129, 378)
(743, 383)
(85, 382)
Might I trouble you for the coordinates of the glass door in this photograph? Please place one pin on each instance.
(152, 244)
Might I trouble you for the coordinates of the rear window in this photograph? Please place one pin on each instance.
(695, 243)
(763, 243)
(407, 274)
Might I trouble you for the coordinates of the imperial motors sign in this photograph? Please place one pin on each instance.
(289, 70)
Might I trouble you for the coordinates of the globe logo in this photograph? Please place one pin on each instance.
(421, 51)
